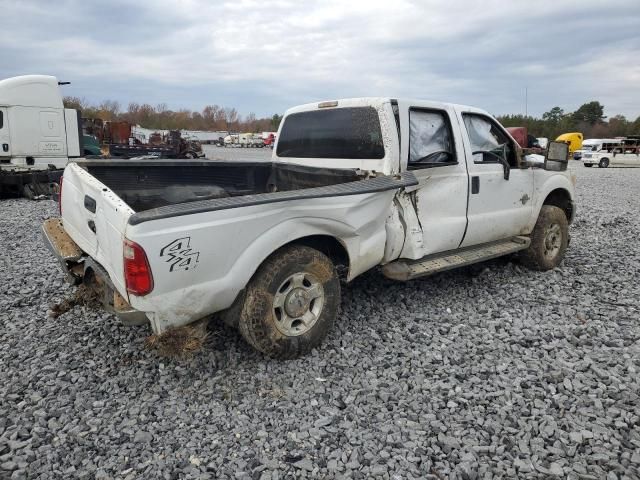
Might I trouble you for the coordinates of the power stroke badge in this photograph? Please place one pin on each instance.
(179, 255)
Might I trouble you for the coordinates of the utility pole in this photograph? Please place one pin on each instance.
(526, 102)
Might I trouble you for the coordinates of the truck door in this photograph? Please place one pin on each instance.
(436, 157)
(5, 139)
(500, 193)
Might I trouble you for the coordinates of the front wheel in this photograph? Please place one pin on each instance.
(604, 163)
(290, 303)
(549, 240)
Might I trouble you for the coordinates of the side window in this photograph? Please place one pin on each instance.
(430, 139)
(488, 142)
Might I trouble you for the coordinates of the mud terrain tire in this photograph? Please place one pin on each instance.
(290, 303)
(549, 240)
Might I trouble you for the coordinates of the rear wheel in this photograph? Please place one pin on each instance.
(291, 302)
(588, 165)
(549, 240)
(604, 163)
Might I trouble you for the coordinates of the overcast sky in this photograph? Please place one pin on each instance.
(264, 57)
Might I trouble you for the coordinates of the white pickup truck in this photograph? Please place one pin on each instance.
(415, 187)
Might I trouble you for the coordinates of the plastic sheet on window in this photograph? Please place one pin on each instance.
(480, 135)
(428, 134)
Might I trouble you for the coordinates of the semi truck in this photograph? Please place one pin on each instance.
(38, 135)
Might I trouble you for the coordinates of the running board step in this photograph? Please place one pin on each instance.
(409, 269)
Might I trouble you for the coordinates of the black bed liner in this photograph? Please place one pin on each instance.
(158, 189)
(370, 185)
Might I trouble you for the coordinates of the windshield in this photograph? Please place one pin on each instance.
(349, 133)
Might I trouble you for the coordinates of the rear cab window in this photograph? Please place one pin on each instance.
(342, 133)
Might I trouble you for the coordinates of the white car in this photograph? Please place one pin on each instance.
(415, 187)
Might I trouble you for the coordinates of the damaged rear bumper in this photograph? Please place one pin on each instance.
(80, 268)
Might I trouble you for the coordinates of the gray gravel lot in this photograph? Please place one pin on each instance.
(493, 371)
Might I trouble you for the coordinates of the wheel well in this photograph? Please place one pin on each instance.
(561, 198)
(326, 244)
(331, 247)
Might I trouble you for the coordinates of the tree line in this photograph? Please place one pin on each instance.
(588, 119)
(212, 117)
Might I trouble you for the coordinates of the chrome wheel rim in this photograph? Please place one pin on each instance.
(552, 240)
(298, 303)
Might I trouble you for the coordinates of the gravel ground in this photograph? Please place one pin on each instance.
(488, 372)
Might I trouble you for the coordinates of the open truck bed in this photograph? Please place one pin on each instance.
(149, 184)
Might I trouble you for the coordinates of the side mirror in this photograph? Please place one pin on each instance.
(557, 156)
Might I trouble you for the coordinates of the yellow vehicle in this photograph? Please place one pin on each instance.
(574, 140)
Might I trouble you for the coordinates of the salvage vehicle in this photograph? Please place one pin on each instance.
(90, 145)
(37, 135)
(573, 139)
(624, 151)
(587, 146)
(121, 141)
(248, 140)
(414, 187)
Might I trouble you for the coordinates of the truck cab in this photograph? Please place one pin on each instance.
(36, 128)
(458, 153)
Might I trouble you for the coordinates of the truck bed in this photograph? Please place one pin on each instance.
(145, 185)
(222, 219)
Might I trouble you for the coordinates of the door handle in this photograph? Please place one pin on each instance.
(92, 225)
(475, 185)
(5, 147)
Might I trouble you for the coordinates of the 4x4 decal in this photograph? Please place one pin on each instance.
(179, 254)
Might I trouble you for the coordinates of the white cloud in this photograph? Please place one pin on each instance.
(266, 56)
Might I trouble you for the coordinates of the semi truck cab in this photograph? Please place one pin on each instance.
(37, 134)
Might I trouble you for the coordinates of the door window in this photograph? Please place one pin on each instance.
(489, 143)
(430, 139)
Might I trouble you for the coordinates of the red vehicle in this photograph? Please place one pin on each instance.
(525, 140)
(270, 140)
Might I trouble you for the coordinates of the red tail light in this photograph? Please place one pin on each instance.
(60, 196)
(137, 272)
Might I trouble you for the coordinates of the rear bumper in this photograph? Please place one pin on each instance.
(80, 268)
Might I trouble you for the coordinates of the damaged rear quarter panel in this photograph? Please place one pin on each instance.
(200, 262)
